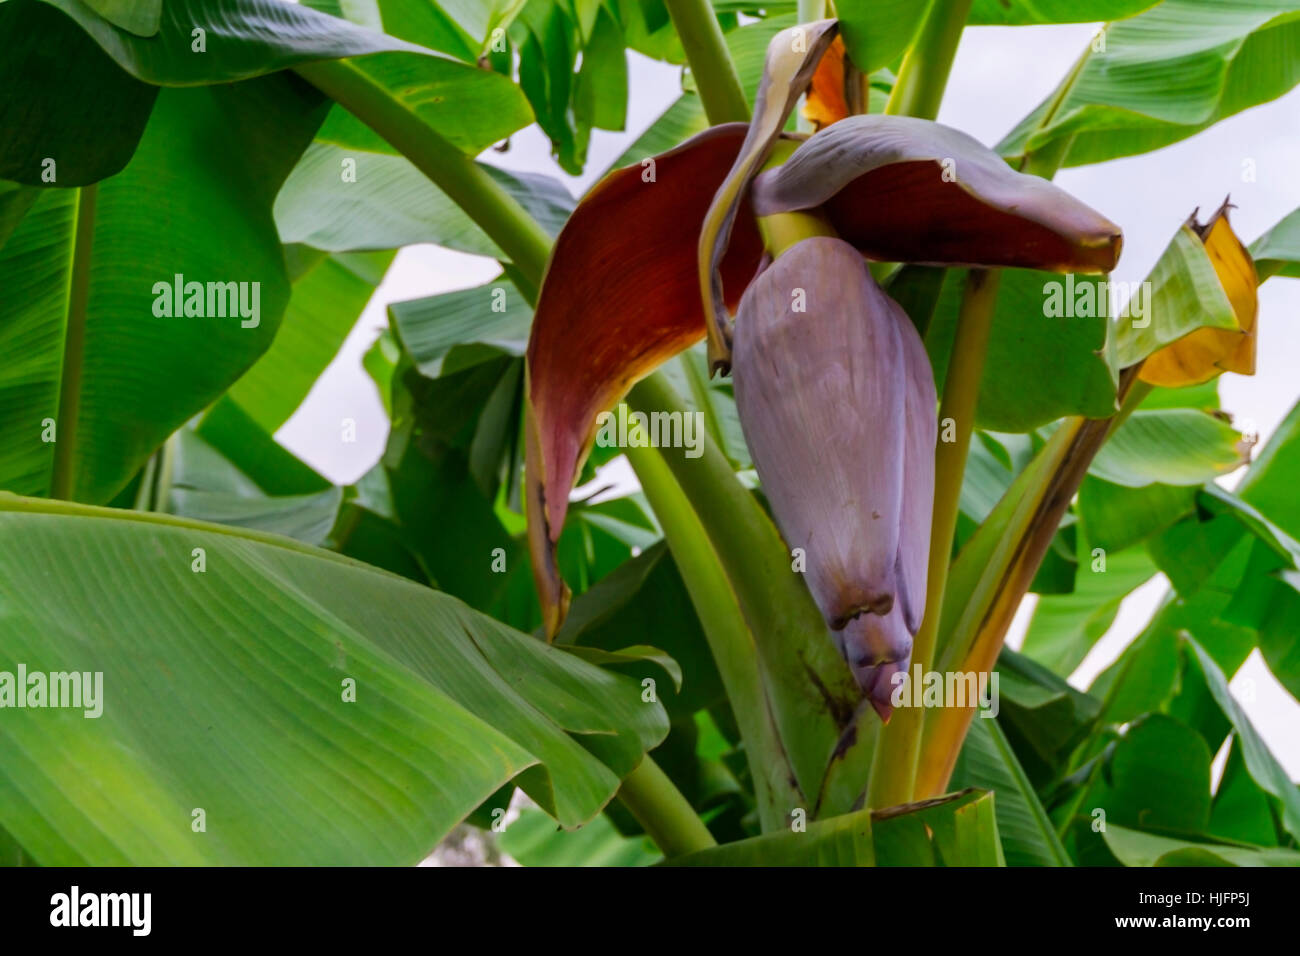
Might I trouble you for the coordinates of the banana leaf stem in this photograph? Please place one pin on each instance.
(894, 774)
(808, 11)
(666, 815)
(924, 73)
(710, 61)
(808, 688)
(156, 483)
(1045, 162)
(498, 213)
(1070, 452)
(63, 478)
(729, 639)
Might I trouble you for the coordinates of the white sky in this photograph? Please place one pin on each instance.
(993, 84)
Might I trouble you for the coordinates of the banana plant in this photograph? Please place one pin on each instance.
(870, 374)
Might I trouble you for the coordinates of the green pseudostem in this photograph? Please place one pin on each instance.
(720, 614)
(706, 51)
(924, 74)
(661, 809)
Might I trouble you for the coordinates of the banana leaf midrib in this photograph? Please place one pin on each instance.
(63, 472)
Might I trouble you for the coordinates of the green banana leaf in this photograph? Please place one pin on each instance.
(1159, 778)
(1277, 252)
(229, 663)
(325, 303)
(340, 199)
(1040, 366)
(1043, 716)
(643, 602)
(62, 127)
(1146, 675)
(987, 762)
(457, 330)
(105, 373)
(1135, 848)
(1262, 766)
(876, 34)
(988, 475)
(534, 840)
(231, 432)
(206, 486)
(1270, 483)
(1115, 518)
(308, 518)
(460, 28)
(1064, 627)
(245, 38)
(141, 17)
(573, 69)
(1164, 75)
(1175, 446)
(1241, 810)
(955, 830)
(1019, 13)
(15, 202)
(219, 41)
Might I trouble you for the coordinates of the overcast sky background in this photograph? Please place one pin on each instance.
(1000, 74)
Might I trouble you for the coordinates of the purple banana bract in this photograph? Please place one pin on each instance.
(837, 401)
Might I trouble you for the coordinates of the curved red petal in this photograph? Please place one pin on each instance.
(621, 296)
(902, 189)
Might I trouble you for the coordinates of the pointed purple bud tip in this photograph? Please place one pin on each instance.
(877, 649)
(877, 680)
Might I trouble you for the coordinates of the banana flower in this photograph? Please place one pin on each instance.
(836, 397)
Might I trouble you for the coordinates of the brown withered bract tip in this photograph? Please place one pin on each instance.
(837, 402)
(1208, 352)
(902, 189)
(1202, 229)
